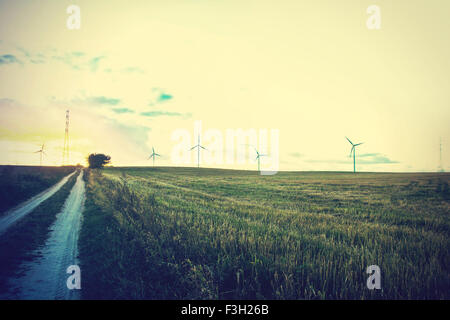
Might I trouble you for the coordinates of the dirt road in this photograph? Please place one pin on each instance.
(45, 277)
(15, 214)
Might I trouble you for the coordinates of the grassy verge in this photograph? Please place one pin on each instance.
(19, 183)
(28, 234)
(108, 250)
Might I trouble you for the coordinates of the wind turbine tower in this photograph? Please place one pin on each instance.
(258, 157)
(353, 150)
(441, 167)
(41, 151)
(153, 155)
(66, 141)
(198, 146)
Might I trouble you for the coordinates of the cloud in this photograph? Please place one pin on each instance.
(122, 110)
(164, 97)
(164, 113)
(104, 100)
(364, 155)
(76, 60)
(71, 59)
(94, 62)
(132, 70)
(296, 155)
(159, 96)
(137, 134)
(8, 59)
(7, 102)
(160, 113)
(366, 158)
(326, 161)
(95, 101)
(377, 159)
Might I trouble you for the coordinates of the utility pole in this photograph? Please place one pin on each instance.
(66, 141)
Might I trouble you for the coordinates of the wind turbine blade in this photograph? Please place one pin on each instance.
(352, 150)
(192, 148)
(156, 154)
(349, 140)
(203, 148)
(359, 144)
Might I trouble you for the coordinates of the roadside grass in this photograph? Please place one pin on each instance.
(185, 233)
(23, 239)
(19, 183)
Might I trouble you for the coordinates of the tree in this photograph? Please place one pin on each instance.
(98, 160)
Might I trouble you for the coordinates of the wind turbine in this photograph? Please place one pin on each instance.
(153, 155)
(258, 156)
(41, 151)
(198, 146)
(354, 152)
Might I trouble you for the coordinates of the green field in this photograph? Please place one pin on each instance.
(184, 233)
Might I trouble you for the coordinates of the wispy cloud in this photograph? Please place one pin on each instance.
(296, 155)
(162, 113)
(76, 60)
(122, 110)
(8, 59)
(36, 58)
(164, 97)
(159, 96)
(138, 134)
(132, 70)
(365, 155)
(104, 100)
(366, 158)
(6, 102)
(87, 101)
(94, 63)
(376, 159)
(72, 59)
(159, 113)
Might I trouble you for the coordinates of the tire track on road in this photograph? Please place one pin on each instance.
(44, 278)
(20, 211)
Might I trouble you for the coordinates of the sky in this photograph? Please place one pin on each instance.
(136, 72)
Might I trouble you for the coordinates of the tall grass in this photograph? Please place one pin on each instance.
(207, 234)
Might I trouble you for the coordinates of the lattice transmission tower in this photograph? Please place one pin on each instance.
(66, 141)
